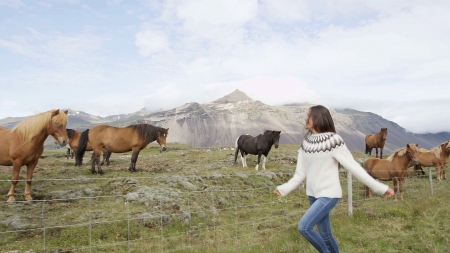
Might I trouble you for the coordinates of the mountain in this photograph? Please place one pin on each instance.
(221, 121)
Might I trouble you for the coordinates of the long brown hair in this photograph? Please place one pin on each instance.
(322, 120)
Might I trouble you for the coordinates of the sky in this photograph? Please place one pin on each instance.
(113, 57)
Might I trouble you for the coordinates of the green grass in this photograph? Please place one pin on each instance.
(194, 199)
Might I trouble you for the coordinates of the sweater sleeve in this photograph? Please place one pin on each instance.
(296, 180)
(345, 158)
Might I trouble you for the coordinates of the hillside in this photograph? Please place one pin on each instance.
(221, 121)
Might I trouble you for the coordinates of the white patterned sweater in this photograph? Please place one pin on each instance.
(318, 161)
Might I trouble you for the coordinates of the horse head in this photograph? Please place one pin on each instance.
(413, 151)
(384, 133)
(161, 138)
(57, 127)
(274, 136)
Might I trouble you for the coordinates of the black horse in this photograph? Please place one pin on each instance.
(259, 145)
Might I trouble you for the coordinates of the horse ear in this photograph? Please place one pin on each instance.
(417, 144)
(407, 145)
(66, 111)
(55, 112)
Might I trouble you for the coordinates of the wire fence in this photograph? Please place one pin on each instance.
(216, 212)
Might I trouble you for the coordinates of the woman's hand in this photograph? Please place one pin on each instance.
(277, 192)
(390, 192)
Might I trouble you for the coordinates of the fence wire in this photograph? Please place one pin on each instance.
(141, 217)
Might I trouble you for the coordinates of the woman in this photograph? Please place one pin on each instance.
(322, 150)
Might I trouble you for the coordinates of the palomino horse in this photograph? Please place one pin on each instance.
(24, 144)
(394, 168)
(74, 137)
(119, 140)
(376, 141)
(437, 157)
(259, 145)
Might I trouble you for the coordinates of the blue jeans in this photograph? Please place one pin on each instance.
(318, 214)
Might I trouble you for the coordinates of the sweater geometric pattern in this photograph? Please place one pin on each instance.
(324, 142)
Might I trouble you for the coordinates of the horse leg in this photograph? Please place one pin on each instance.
(243, 159)
(108, 155)
(134, 157)
(94, 162)
(235, 155)
(381, 153)
(15, 177)
(395, 180)
(376, 152)
(30, 170)
(264, 162)
(97, 161)
(258, 161)
(401, 181)
(438, 173)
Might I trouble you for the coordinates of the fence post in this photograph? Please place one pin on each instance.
(350, 193)
(430, 177)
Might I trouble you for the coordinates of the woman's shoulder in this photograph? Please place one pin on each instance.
(323, 142)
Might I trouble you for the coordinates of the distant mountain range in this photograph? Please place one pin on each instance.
(220, 122)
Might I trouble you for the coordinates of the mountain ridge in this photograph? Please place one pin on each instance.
(221, 121)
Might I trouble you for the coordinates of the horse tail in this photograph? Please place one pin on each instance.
(82, 143)
(236, 148)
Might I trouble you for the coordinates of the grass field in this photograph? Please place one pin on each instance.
(194, 199)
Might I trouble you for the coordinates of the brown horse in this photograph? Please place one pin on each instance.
(74, 137)
(376, 141)
(394, 168)
(437, 157)
(119, 140)
(24, 144)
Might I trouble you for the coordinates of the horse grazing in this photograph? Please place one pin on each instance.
(24, 144)
(376, 141)
(74, 137)
(119, 140)
(259, 145)
(437, 157)
(394, 168)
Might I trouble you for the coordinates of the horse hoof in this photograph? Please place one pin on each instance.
(11, 199)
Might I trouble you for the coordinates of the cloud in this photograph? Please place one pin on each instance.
(150, 42)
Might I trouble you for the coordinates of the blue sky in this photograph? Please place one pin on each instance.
(110, 57)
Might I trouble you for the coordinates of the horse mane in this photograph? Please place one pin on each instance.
(33, 125)
(146, 131)
(70, 133)
(399, 152)
(438, 149)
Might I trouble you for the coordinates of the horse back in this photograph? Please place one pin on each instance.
(115, 139)
(428, 158)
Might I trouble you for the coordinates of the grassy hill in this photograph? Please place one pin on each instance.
(194, 199)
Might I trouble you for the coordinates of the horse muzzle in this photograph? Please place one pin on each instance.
(61, 141)
(415, 162)
(163, 148)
